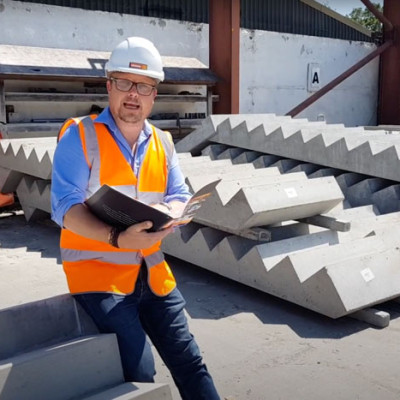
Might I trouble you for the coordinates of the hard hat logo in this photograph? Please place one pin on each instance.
(147, 59)
(137, 65)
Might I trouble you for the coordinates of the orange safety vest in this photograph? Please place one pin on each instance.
(94, 266)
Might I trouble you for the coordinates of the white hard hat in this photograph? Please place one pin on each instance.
(136, 55)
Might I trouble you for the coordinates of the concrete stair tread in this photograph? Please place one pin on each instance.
(55, 319)
(134, 391)
(380, 155)
(62, 371)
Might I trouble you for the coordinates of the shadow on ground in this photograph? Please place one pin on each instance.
(42, 236)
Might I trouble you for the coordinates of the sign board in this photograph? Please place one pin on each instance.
(314, 77)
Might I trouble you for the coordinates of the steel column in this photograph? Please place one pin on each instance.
(224, 42)
(389, 104)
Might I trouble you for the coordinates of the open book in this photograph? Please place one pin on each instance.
(120, 210)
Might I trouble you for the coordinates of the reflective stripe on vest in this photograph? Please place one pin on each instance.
(94, 266)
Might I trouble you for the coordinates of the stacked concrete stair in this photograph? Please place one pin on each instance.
(51, 350)
(334, 265)
(251, 201)
(331, 273)
(288, 177)
(358, 189)
(353, 149)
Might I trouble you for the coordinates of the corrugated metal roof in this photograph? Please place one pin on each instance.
(289, 16)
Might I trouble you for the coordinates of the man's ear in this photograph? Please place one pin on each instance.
(108, 86)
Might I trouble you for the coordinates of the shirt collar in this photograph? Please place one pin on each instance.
(105, 117)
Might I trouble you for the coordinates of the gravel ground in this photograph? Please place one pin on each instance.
(256, 346)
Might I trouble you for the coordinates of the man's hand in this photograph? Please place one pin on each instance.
(80, 220)
(174, 208)
(137, 237)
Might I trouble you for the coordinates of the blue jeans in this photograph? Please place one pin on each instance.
(133, 316)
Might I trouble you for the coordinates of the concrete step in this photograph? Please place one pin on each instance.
(215, 150)
(246, 157)
(195, 143)
(330, 146)
(360, 193)
(231, 182)
(232, 175)
(34, 196)
(259, 202)
(213, 167)
(31, 156)
(9, 180)
(42, 323)
(309, 270)
(134, 391)
(387, 200)
(67, 370)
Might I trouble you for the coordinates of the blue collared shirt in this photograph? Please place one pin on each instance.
(70, 172)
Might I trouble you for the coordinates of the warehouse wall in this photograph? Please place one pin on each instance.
(273, 66)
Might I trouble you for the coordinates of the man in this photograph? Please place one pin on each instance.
(121, 278)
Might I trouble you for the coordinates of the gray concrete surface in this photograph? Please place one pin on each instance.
(63, 371)
(334, 146)
(135, 391)
(256, 346)
(32, 156)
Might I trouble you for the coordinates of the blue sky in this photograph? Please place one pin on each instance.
(344, 7)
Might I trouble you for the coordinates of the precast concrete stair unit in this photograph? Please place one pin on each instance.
(358, 189)
(249, 202)
(32, 156)
(315, 271)
(354, 149)
(334, 273)
(53, 351)
(305, 211)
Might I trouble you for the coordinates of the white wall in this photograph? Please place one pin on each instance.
(274, 71)
(273, 66)
(32, 24)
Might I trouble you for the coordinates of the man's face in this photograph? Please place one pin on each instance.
(130, 106)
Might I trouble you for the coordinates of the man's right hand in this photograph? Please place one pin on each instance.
(137, 237)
